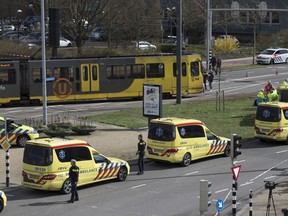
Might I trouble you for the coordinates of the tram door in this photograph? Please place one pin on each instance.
(89, 77)
(184, 78)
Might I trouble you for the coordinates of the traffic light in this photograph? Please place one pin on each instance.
(205, 194)
(234, 146)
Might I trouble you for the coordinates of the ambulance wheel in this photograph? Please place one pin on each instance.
(122, 174)
(21, 140)
(227, 151)
(186, 160)
(1, 205)
(66, 187)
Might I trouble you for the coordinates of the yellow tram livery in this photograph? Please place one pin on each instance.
(96, 78)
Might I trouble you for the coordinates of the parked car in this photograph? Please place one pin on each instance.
(31, 20)
(3, 200)
(7, 28)
(30, 39)
(98, 34)
(273, 56)
(144, 45)
(65, 42)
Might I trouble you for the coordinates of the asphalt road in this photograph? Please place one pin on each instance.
(164, 189)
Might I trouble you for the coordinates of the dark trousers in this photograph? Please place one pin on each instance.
(141, 163)
(74, 193)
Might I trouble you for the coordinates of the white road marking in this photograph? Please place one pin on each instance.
(247, 183)
(281, 151)
(240, 161)
(269, 170)
(191, 173)
(137, 186)
(270, 177)
(220, 191)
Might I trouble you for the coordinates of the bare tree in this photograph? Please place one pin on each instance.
(78, 17)
(132, 20)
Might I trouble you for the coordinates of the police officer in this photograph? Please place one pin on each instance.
(141, 153)
(74, 176)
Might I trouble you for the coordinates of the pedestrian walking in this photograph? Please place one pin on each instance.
(141, 153)
(213, 62)
(218, 66)
(74, 176)
(210, 79)
(205, 76)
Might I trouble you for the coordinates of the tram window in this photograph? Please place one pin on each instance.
(94, 72)
(155, 70)
(195, 68)
(7, 76)
(115, 71)
(184, 70)
(77, 73)
(85, 73)
(135, 71)
(37, 75)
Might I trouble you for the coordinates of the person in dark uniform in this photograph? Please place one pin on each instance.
(141, 154)
(74, 176)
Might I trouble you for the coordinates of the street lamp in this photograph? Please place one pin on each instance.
(171, 21)
(19, 13)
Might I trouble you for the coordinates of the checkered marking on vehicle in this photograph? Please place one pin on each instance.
(108, 170)
(217, 146)
(278, 59)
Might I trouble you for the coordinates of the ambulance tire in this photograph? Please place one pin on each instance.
(21, 140)
(186, 160)
(122, 174)
(1, 205)
(66, 187)
(227, 151)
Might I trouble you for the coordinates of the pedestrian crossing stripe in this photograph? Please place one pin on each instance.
(217, 146)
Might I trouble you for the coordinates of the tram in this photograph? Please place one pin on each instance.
(96, 78)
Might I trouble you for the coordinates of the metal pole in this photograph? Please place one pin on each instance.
(223, 99)
(234, 197)
(179, 51)
(250, 202)
(217, 100)
(208, 39)
(44, 88)
(7, 169)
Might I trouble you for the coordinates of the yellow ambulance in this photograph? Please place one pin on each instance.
(17, 133)
(46, 164)
(3, 200)
(178, 140)
(271, 122)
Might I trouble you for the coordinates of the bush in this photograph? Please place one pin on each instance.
(226, 45)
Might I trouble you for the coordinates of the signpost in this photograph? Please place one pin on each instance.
(220, 205)
(236, 171)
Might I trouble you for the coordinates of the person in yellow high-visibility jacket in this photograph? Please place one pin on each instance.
(273, 95)
(260, 97)
(284, 83)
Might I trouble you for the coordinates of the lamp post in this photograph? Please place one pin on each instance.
(19, 13)
(171, 21)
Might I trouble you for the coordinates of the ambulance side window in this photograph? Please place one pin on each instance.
(285, 114)
(2, 125)
(77, 153)
(191, 131)
(211, 136)
(100, 159)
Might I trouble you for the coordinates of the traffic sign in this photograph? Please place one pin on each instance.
(5, 145)
(220, 205)
(236, 171)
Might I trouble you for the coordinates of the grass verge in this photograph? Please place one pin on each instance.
(238, 116)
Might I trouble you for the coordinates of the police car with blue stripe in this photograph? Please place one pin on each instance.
(273, 56)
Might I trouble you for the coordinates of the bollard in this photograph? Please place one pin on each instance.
(250, 202)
